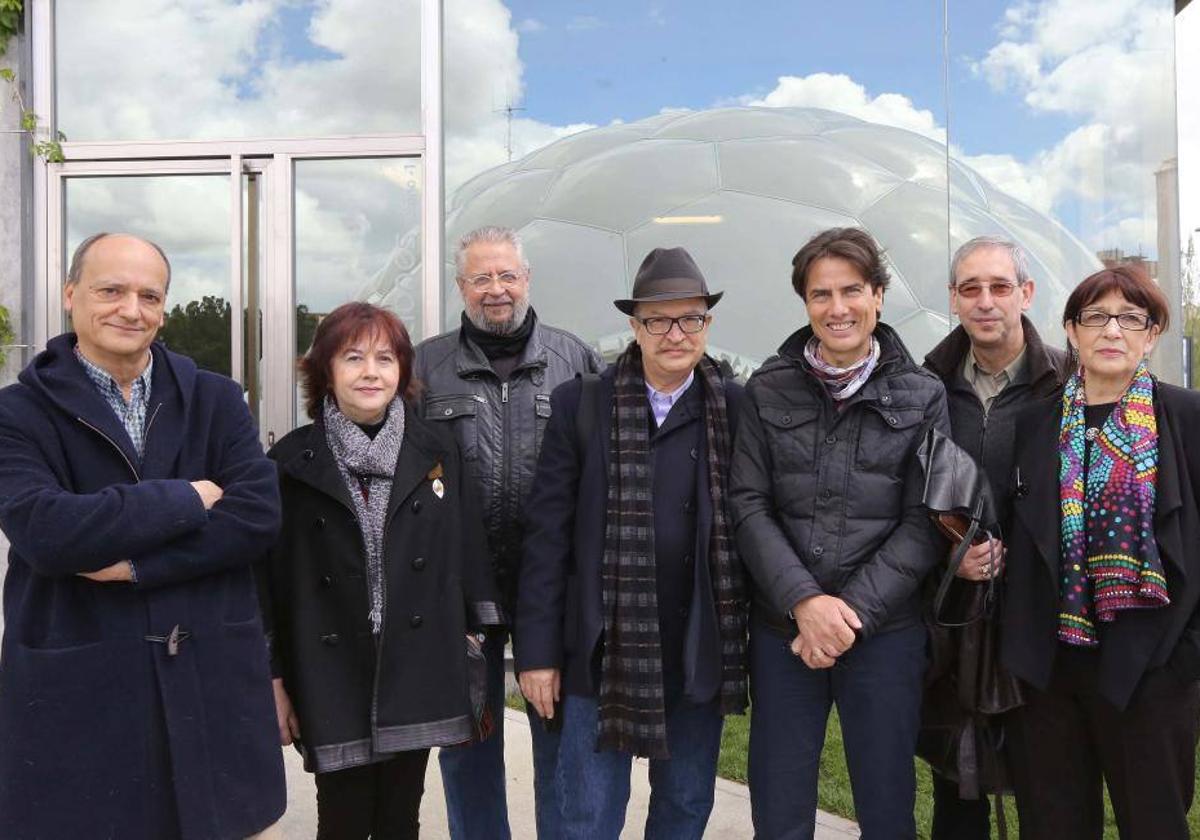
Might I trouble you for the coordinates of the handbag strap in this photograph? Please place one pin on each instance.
(956, 559)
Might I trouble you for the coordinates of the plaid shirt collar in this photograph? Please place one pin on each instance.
(132, 414)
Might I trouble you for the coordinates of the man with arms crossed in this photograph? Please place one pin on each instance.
(135, 698)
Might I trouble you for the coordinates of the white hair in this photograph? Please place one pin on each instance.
(488, 233)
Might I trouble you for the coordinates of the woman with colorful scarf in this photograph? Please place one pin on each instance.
(380, 572)
(1100, 620)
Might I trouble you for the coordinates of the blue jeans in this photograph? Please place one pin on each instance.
(593, 787)
(876, 686)
(473, 775)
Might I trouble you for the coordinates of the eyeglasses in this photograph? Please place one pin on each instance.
(997, 290)
(507, 279)
(661, 325)
(1098, 319)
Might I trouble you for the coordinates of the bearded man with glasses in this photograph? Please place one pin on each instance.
(993, 363)
(490, 381)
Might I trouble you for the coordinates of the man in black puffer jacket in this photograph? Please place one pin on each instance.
(827, 497)
(490, 381)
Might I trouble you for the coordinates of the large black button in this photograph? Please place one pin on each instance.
(885, 399)
(309, 454)
(319, 522)
(892, 421)
(831, 439)
(327, 581)
(786, 419)
(415, 621)
(818, 551)
(330, 639)
(418, 563)
(416, 506)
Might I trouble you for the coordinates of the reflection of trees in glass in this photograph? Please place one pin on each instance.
(1191, 311)
(200, 329)
(306, 328)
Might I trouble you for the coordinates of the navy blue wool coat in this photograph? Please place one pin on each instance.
(103, 732)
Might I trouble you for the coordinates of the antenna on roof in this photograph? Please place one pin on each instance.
(508, 110)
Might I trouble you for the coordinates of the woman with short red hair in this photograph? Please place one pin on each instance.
(1101, 619)
(380, 571)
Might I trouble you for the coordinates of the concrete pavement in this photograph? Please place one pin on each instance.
(730, 818)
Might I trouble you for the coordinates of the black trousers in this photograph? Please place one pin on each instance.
(381, 801)
(1067, 741)
(955, 818)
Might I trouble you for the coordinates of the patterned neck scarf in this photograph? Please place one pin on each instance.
(631, 699)
(842, 383)
(367, 466)
(1110, 558)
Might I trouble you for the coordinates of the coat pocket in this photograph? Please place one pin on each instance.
(791, 435)
(887, 437)
(462, 411)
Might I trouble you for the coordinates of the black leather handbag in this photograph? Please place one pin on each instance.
(966, 684)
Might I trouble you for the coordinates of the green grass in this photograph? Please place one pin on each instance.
(833, 791)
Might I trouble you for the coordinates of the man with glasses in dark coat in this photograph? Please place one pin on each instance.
(631, 609)
(490, 380)
(993, 363)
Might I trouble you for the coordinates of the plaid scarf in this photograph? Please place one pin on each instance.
(1110, 558)
(632, 713)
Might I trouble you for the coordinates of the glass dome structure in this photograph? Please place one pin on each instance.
(742, 189)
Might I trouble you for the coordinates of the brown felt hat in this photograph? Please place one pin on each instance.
(667, 274)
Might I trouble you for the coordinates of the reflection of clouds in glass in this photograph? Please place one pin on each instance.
(1187, 58)
(187, 215)
(207, 69)
(1110, 65)
(350, 219)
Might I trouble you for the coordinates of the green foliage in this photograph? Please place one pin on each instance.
(11, 13)
(7, 334)
(10, 24)
(200, 329)
(306, 328)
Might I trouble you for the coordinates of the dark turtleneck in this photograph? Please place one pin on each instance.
(502, 351)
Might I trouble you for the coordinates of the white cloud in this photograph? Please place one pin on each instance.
(838, 92)
(1187, 68)
(1106, 64)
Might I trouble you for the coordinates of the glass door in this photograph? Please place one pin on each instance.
(258, 258)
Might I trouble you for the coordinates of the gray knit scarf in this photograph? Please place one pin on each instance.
(632, 713)
(367, 467)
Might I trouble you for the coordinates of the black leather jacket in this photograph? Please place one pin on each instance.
(828, 501)
(499, 425)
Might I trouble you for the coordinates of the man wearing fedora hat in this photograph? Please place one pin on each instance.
(631, 608)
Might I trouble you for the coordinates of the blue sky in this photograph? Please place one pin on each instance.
(593, 62)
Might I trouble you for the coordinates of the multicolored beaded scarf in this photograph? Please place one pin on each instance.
(1109, 557)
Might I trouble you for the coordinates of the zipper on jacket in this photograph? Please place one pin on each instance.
(382, 628)
(149, 423)
(115, 446)
(503, 392)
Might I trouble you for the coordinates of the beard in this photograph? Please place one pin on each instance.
(508, 326)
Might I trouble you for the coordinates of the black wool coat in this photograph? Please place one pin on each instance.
(103, 732)
(560, 612)
(358, 697)
(1139, 640)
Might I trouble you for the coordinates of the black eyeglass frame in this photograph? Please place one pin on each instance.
(1139, 316)
(672, 322)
